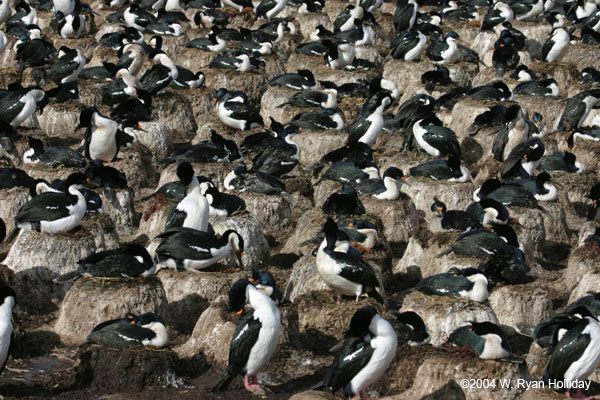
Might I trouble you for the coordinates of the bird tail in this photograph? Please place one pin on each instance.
(13, 234)
(69, 276)
(430, 86)
(223, 382)
(372, 292)
(283, 104)
(473, 130)
(445, 252)
(500, 72)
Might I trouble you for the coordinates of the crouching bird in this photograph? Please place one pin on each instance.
(366, 352)
(255, 337)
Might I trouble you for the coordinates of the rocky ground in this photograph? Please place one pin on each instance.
(49, 359)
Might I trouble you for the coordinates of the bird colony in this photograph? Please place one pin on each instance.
(306, 199)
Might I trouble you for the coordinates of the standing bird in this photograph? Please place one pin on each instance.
(576, 351)
(368, 125)
(8, 297)
(339, 55)
(523, 159)
(514, 132)
(505, 55)
(577, 110)
(100, 135)
(54, 212)
(408, 45)
(444, 52)
(255, 338)
(556, 46)
(192, 210)
(498, 14)
(405, 15)
(347, 274)
(368, 349)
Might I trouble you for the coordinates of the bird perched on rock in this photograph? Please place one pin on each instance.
(129, 261)
(54, 212)
(444, 52)
(385, 188)
(147, 329)
(434, 138)
(469, 283)
(523, 159)
(18, 103)
(556, 46)
(68, 66)
(234, 113)
(577, 110)
(368, 125)
(191, 249)
(505, 56)
(255, 337)
(344, 202)
(486, 339)
(366, 352)
(347, 274)
(514, 132)
(339, 55)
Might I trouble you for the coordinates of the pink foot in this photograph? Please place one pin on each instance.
(338, 299)
(357, 297)
(251, 384)
(363, 395)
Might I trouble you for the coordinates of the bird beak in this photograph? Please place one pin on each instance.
(251, 280)
(240, 311)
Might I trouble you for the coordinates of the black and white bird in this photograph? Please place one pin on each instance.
(213, 42)
(234, 113)
(129, 261)
(265, 282)
(326, 98)
(505, 56)
(468, 283)
(439, 76)
(556, 46)
(523, 159)
(368, 125)
(408, 46)
(410, 329)
(444, 52)
(9, 298)
(523, 74)
(137, 18)
(54, 212)
(313, 120)
(577, 110)
(147, 329)
(303, 79)
(339, 55)
(345, 273)
(486, 339)
(494, 116)
(434, 138)
(496, 15)
(242, 180)
(223, 204)
(192, 210)
(186, 79)
(17, 104)
(367, 350)
(385, 188)
(68, 66)
(160, 75)
(70, 25)
(405, 15)
(100, 136)
(450, 170)
(52, 156)
(344, 21)
(255, 337)
(451, 220)
(545, 87)
(514, 132)
(576, 351)
(566, 162)
(269, 8)
(64, 6)
(526, 9)
(191, 249)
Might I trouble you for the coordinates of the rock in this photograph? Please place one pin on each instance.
(307, 227)
(154, 216)
(530, 231)
(588, 283)
(60, 119)
(274, 212)
(256, 247)
(555, 222)
(193, 58)
(401, 217)
(463, 114)
(252, 83)
(273, 97)
(60, 252)
(173, 110)
(587, 152)
(536, 359)
(582, 261)
(157, 138)
(211, 335)
(421, 191)
(442, 315)
(307, 23)
(118, 205)
(314, 145)
(527, 304)
(136, 163)
(189, 294)
(318, 312)
(438, 369)
(12, 200)
(580, 54)
(314, 395)
(107, 370)
(85, 44)
(92, 301)
(304, 279)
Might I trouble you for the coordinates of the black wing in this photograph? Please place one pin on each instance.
(570, 348)
(48, 206)
(358, 129)
(442, 139)
(356, 269)
(244, 338)
(175, 219)
(350, 359)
